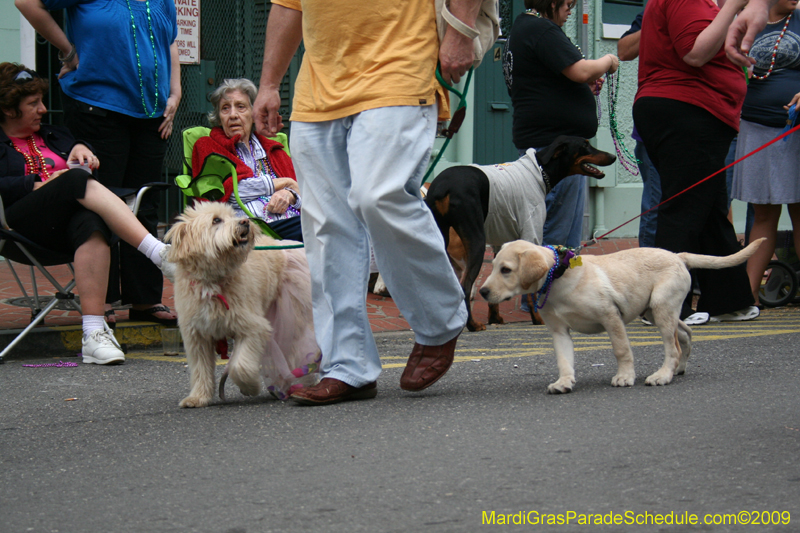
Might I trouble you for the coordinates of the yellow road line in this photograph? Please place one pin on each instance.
(540, 338)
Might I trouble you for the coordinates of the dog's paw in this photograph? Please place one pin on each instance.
(659, 378)
(194, 401)
(474, 325)
(623, 380)
(250, 389)
(562, 386)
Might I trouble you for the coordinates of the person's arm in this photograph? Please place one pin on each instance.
(742, 32)
(45, 25)
(175, 92)
(456, 52)
(284, 35)
(711, 39)
(589, 70)
(628, 46)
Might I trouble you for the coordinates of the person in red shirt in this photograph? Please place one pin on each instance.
(687, 113)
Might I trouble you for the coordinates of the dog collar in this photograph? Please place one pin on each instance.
(564, 258)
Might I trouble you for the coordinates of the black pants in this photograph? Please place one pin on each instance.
(52, 217)
(131, 153)
(686, 144)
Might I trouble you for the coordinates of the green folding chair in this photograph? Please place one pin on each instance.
(215, 170)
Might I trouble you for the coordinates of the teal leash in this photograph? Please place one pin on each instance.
(455, 123)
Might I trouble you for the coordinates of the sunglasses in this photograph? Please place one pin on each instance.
(25, 76)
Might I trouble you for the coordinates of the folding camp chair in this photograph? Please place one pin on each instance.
(216, 169)
(15, 247)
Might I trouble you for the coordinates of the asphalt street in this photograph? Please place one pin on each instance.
(106, 449)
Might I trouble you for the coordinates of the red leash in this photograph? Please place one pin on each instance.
(776, 139)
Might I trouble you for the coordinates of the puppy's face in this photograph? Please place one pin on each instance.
(519, 268)
(210, 239)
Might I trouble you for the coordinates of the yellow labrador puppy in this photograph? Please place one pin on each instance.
(605, 292)
(261, 299)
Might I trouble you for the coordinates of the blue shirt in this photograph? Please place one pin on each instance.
(108, 75)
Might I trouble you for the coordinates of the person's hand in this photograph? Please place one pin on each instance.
(743, 30)
(165, 129)
(81, 154)
(280, 202)
(614, 63)
(456, 55)
(265, 110)
(69, 66)
(794, 101)
(597, 85)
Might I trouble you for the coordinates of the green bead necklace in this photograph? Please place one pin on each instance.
(624, 156)
(138, 60)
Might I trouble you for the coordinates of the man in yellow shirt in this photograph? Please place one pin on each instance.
(363, 125)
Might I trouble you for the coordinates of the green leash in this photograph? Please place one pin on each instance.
(279, 247)
(455, 122)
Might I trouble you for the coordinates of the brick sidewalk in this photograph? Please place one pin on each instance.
(383, 314)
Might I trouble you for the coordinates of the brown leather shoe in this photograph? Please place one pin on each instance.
(427, 364)
(331, 390)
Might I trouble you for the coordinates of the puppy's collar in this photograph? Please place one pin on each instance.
(564, 258)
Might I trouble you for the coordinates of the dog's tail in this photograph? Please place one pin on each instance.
(716, 262)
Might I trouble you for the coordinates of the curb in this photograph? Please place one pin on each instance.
(65, 341)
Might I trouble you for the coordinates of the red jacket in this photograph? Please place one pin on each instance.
(219, 143)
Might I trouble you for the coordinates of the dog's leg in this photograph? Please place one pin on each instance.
(475, 252)
(674, 338)
(536, 318)
(565, 358)
(494, 314)
(626, 375)
(201, 358)
(244, 368)
(685, 340)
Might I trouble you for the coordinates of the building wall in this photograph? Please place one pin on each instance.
(9, 32)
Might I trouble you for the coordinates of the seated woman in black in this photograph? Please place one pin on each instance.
(63, 209)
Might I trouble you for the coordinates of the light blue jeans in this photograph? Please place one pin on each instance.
(359, 179)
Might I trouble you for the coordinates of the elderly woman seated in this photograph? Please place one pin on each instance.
(61, 209)
(266, 180)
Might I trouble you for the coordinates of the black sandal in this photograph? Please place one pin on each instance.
(148, 315)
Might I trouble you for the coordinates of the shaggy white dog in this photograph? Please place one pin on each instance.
(261, 299)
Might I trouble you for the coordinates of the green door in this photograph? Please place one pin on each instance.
(493, 113)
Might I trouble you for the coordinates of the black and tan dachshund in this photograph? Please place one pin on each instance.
(479, 205)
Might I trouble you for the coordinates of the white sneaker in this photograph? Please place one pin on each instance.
(167, 267)
(696, 319)
(101, 348)
(748, 313)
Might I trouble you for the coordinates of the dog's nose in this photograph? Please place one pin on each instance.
(484, 292)
(244, 226)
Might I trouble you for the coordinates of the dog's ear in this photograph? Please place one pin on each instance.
(553, 150)
(176, 236)
(532, 268)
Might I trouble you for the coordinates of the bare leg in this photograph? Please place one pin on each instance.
(119, 218)
(92, 260)
(114, 212)
(765, 224)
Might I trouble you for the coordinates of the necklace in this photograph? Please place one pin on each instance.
(775, 49)
(625, 158)
(138, 59)
(34, 160)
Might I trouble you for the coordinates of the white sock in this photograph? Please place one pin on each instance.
(151, 247)
(91, 323)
